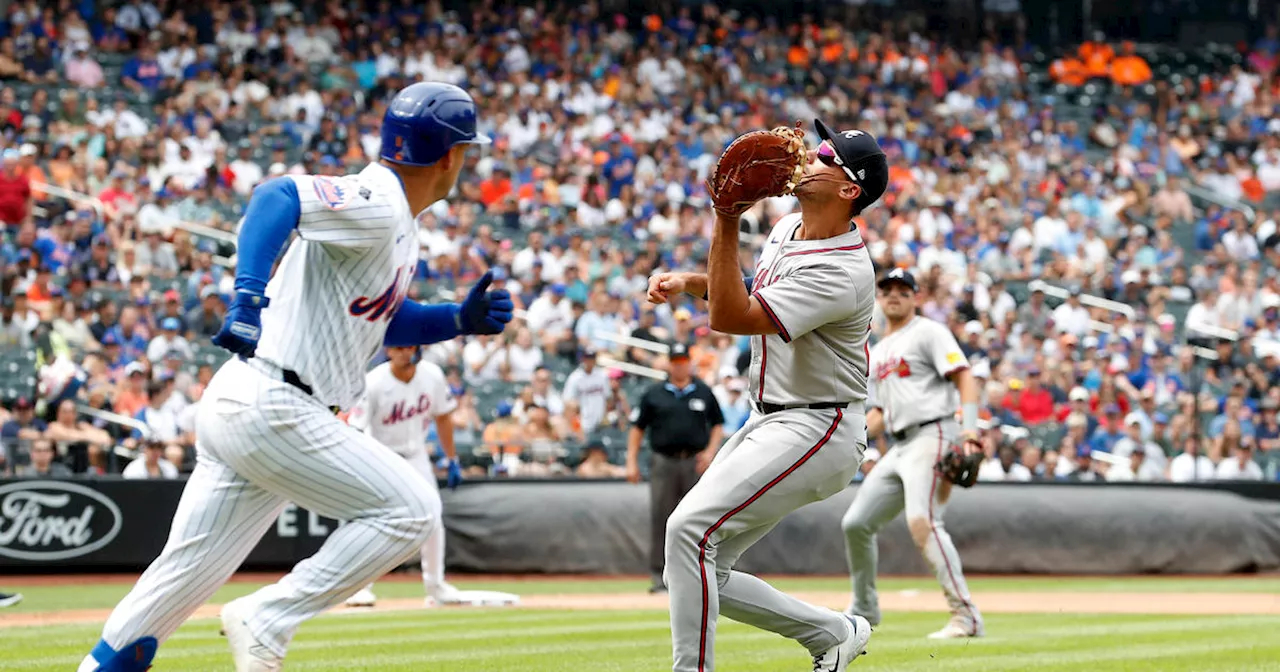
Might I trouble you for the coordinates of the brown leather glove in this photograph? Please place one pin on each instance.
(757, 165)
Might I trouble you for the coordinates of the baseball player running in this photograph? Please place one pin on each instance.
(916, 370)
(266, 428)
(809, 310)
(401, 398)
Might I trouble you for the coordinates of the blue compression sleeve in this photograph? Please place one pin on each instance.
(421, 324)
(272, 215)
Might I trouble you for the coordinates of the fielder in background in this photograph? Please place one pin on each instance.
(916, 370)
(809, 313)
(266, 430)
(402, 397)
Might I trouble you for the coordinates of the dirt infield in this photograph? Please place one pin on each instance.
(909, 600)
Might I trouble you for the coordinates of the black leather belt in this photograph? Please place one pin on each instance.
(767, 408)
(291, 377)
(913, 429)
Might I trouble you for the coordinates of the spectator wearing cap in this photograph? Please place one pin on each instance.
(684, 424)
(205, 320)
(16, 197)
(132, 396)
(22, 426)
(1084, 469)
(1078, 404)
(595, 463)
(735, 406)
(42, 463)
(1034, 403)
(169, 338)
(130, 334)
(1139, 467)
(504, 439)
(1237, 463)
(1267, 432)
(151, 464)
(1104, 438)
(1134, 439)
(588, 386)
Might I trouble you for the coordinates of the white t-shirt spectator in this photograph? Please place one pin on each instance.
(1071, 320)
(160, 345)
(521, 361)
(1147, 473)
(1047, 230)
(137, 469)
(476, 352)
(591, 391)
(1186, 469)
(992, 470)
(163, 421)
(549, 314)
(522, 265)
(248, 175)
(1240, 245)
(1229, 469)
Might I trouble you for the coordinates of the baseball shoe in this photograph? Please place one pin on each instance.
(9, 599)
(443, 595)
(872, 618)
(248, 653)
(840, 656)
(959, 628)
(363, 598)
(657, 589)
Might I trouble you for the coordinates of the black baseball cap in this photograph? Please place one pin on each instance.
(900, 276)
(679, 351)
(860, 157)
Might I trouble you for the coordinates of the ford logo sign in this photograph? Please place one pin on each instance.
(54, 520)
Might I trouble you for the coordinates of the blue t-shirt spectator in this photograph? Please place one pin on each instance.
(144, 71)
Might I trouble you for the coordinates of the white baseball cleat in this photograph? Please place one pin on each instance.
(363, 598)
(958, 629)
(446, 595)
(840, 656)
(247, 652)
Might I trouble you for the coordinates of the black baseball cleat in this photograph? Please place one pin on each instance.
(9, 599)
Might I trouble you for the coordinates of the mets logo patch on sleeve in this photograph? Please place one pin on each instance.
(333, 194)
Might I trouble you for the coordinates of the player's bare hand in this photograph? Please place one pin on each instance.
(665, 285)
(633, 472)
(702, 461)
(971, 442)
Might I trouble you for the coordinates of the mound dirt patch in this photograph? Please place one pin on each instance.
(990, 602)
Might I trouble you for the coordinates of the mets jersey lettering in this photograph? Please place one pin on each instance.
(399, 414)
(402, 411)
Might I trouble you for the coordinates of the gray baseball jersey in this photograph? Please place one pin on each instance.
(820, 295)
(909, 373)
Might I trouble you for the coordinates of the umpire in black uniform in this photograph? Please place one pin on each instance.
(684, 423)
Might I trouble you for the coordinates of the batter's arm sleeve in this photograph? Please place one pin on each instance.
(807, 299)
(943, 352)
(340, 211)
(422, 324)
(273, 213)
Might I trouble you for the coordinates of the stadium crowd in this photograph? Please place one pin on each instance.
(1121, 329)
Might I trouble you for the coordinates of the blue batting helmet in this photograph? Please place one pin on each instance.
(425, 120)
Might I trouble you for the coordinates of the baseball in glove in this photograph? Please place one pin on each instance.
(960, 469)
(757, 165)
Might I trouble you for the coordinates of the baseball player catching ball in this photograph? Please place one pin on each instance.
(402, 397)
(916, 370)
(809, 309)
(266, 428)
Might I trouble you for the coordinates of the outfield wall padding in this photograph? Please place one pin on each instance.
(602, 528)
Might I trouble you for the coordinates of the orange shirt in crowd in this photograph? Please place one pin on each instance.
(1097, 58)
(504, 437)
(1068, 70)
(493, 190)
(128, 402)
(1130, 70)
(798, 56)
(37, 176)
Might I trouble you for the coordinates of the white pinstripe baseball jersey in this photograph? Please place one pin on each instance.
(820, 294)
(398, 414)
(342, 279)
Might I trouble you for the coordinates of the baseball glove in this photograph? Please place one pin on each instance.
(757, 165)
(960, 469)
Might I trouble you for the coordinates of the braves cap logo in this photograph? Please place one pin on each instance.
(896, 273)
(331, 193)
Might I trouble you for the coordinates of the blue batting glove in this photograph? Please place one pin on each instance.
(242, 326)
(484, 312)
(454, 479)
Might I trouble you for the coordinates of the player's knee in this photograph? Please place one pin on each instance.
(921, 527)
(682, 534)
(417, 517)
(855, 525)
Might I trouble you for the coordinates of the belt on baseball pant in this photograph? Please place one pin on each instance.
(908, 432)
(290, 377)
(766, 408)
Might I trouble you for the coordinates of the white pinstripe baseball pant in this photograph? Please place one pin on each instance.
(262, 443)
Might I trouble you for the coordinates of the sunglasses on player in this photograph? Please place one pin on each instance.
(827, 155)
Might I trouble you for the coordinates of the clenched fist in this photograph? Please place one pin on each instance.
(663, 286)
